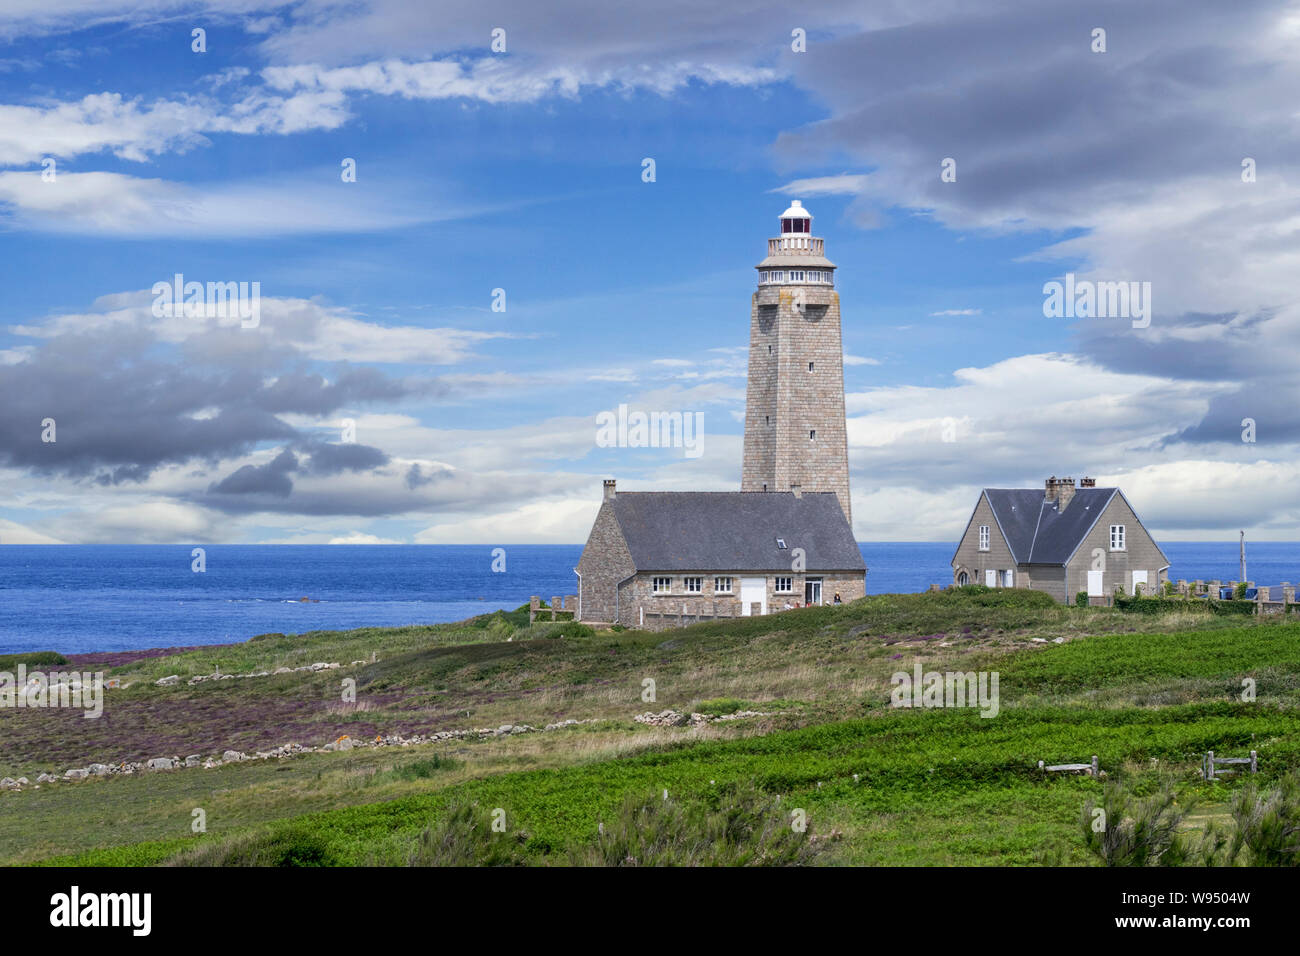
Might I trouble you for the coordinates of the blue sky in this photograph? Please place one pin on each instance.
(522, 171)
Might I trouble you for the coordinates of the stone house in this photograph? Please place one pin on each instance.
(1061, 540)
(657, 558)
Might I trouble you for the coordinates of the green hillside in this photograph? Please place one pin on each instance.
(1147, 693)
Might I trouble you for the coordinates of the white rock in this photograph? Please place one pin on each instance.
(168, 681)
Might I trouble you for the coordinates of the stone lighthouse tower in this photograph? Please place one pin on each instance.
(795, 437)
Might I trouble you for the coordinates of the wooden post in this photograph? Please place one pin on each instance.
(1094, 765)
(534, 603)
(1254, 762)
(1209, 765)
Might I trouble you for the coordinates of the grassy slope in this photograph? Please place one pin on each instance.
(934, 786)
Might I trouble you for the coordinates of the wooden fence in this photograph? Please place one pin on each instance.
(1211, 763)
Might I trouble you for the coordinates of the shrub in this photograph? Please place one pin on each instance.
(9, 662)
(742, 826)
(1268, 826)
(983, 596)
(1232, 607)
(464, 837)
(296, 846)
(1133, 832)
(1239, 592)
(1081, 599)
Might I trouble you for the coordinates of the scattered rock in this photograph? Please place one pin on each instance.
(168, 681)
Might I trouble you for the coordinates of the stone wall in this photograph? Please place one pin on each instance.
(605, 562)
(1140, 554)
(666, 610)
(785, 400)
(972, 560)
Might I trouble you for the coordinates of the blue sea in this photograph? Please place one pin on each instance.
(81, 598)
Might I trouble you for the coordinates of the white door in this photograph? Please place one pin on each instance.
(1008, 579)
(1094, 584)
(753, 591)
(812, 592)
(1139, 577)
(991, 578)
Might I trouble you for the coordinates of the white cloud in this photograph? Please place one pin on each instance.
(100, 203)
(360, 537)
(317, 331)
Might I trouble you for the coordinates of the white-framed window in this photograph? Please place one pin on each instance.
(662, 585)
(694, 585)
(777, 275)
(984, 537)
(722, 585)
(796, 275)
(784, 585)
(1117, 537)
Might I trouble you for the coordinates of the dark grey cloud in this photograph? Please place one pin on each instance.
(271, 478)
(122, 409)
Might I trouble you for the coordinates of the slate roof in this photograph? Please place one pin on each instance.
(735, 530)
(1037, 532)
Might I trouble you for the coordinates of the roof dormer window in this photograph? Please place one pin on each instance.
(780, 544)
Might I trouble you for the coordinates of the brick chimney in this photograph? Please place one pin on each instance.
(1060, 490)
(609, 489)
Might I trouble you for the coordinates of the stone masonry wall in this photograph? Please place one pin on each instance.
(639, 593)
(605, 561)
(785, 400)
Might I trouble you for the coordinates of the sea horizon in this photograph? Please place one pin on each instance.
(78, 599)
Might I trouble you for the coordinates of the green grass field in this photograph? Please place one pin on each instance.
(1147, 693)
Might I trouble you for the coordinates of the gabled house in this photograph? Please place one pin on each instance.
(1061, 540)
(657, 558)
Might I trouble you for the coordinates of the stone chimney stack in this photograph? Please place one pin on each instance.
(609, 489)
(1087, 482)
(1060, 490)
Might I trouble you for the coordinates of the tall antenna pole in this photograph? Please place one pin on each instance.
(1243, 557)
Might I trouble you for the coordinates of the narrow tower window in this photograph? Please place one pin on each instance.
(812, 434)
(810, 366)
